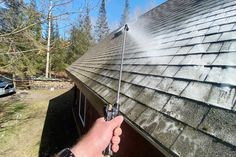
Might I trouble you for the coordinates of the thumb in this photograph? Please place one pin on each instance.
(116, 122)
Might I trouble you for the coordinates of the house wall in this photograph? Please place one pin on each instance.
(132, 143)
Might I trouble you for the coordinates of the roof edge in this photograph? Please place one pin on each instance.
(96, 99)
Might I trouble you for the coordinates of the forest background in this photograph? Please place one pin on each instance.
(25, 39)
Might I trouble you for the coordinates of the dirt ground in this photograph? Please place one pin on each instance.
(36, 123)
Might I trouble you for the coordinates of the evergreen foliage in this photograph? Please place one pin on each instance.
(102, 28)
(87, 25)
(22, 48)
(80, 37)
(19, 48)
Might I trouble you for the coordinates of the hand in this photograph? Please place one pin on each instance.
(99, 137)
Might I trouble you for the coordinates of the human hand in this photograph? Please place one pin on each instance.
(98, 138)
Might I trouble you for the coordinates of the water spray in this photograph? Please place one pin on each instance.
(111, 111)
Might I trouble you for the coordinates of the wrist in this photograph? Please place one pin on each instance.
(84, 148)
(78, 150)
(65, 153)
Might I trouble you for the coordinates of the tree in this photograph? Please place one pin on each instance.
(80, 36)
(75, 49)
(56, 33)
(125, 15)
(58, 55)
(13, 14)
(102, 28)
(87, 22)
(35, 17)
(20, 46)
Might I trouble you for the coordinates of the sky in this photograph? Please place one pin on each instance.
(114, 10)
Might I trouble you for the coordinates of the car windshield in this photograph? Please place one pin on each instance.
(1, 80)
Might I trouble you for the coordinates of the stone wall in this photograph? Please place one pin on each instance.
(52, 85)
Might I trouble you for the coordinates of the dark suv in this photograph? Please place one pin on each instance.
(6, 86)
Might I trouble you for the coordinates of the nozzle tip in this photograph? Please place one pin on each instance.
(126, 27)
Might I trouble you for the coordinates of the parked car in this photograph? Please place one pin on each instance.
(6, 86)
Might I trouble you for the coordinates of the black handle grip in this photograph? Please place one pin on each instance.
(110, 111)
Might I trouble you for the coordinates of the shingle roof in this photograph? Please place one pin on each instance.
(179, 81)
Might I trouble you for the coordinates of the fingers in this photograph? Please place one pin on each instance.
(116, 122)
(115, 140)
(117, 131)
(115, 148)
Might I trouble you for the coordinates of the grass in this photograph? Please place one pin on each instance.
(22, 122)
(15, 122)
(18, 107)
(10, 111)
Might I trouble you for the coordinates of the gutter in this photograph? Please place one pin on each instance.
(94, 98)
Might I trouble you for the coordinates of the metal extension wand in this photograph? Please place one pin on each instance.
(111, 111)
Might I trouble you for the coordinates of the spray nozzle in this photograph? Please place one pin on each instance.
(120, 31)
(126, 27)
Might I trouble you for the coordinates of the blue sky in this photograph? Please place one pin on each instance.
(114, 10)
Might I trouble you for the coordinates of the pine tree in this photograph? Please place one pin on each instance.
(81, 23)
(125, 15)
(75, 45)
(56, 33)
(14, 13)
(102, 28)
(80, 37)
(35, 18)
(87, 23)
(19, 15)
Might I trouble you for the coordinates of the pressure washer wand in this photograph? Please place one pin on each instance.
(126, 28)
(111, 111)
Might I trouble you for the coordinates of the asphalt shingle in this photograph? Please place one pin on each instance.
(179, 86)
(225, 47)
(221, 124)
(177, 60)
(208, 59)
(222, 96)
(160, 126)
(135, 111)
(196, 40)
(212, 38)
(186, 111)
(228, 36)
(145, 96)
(213, 30)
(232, 46)
(127, 106)
(110, 97)
(171, 71)
(158, 70)
(215, 47)
(158, 100)
(192, 60)
(137, 79)
(194, 143)
(164, 84)
(200, 48)
(193, 72)
(151, 81)
(166, 127)
(133, 91)
(225, 59)
(222, 75)
(197, 91)
(227, 27)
